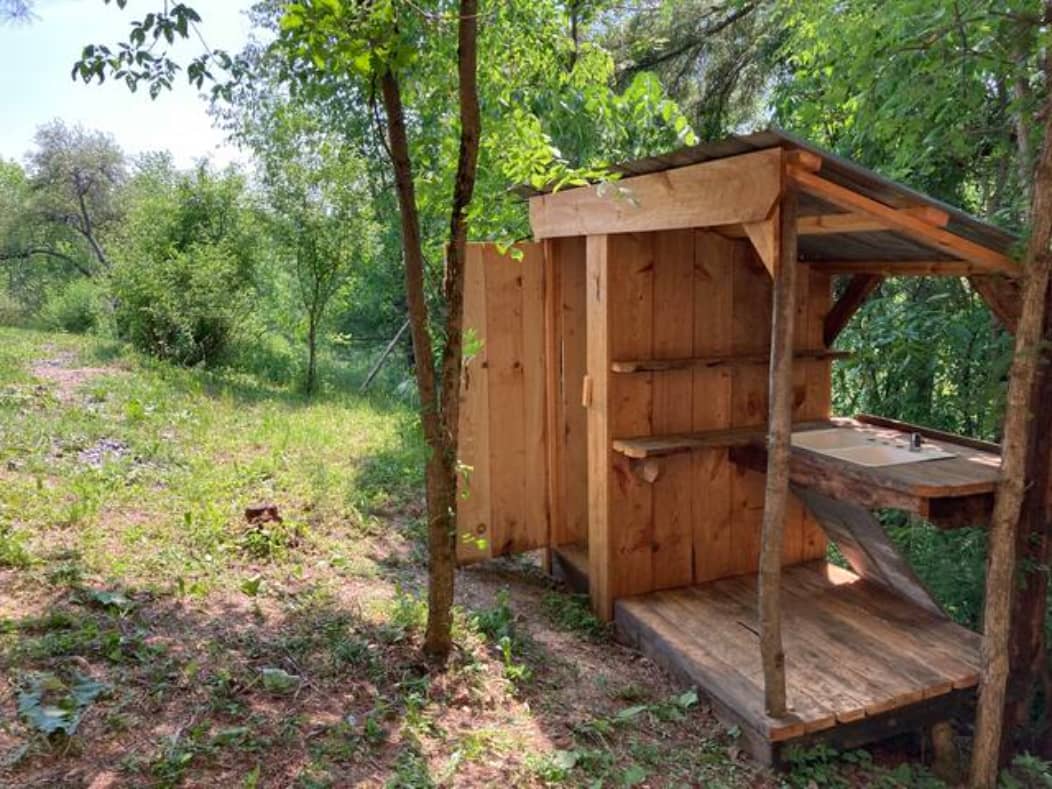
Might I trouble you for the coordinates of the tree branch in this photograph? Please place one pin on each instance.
(24, 254)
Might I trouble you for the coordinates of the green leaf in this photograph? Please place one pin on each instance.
(687, 699)
(279, 682)
(633, 776)
(50, 707)
(108, 599)
(250, 586)
(631, 712)
(565, 760)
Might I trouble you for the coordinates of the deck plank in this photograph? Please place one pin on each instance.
(853, 651)
(713, 668)
(876, 685)
(736, 620)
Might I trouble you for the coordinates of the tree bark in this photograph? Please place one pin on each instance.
(1027, 657)
(439, 399)
(1012, 488)
(443, 539)
(312, 354)
(777, 489)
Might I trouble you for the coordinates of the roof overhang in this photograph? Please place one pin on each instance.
(851, 220)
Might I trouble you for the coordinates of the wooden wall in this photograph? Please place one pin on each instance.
(503, 499)
(674, 294)
(569, 345)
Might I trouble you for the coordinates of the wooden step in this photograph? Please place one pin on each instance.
(707, 362)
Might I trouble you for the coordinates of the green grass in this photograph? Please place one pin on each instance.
(193, 449)
(288, 653)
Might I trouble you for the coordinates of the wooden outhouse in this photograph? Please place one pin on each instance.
(615, 410)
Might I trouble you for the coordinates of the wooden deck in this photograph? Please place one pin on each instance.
(854, 652)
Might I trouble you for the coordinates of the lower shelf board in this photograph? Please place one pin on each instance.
(853, 651)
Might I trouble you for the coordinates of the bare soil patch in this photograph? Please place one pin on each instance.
(62, 374)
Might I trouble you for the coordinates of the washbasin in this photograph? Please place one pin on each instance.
(865, 448)
(832, 438)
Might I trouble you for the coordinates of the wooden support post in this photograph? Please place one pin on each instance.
(777, 488)
(858, 290)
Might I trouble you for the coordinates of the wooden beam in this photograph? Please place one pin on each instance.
(858, 290)
(1002, 296)
(554, 403)
(805, 159)
(720, 192)
(708, 362)
(854, 222)
(900, 268)
(598, 435)
(867, 548)
(776, 493)
(764, 238)
(912, 226)
(849, 222)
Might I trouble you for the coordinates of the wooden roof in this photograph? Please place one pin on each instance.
(832, 232)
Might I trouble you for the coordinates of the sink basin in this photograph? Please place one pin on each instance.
(888, 455)
(833, 438)
(864, 448)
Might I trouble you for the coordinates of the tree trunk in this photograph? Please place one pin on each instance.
(1029, 609)
(1012, 488)
(312, 354)
(439, 400)
(443, 540)
(777, 489)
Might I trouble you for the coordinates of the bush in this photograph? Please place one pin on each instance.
(183, 269)
(75, 308)
(269, 356)
(186, 307)
(11, 312)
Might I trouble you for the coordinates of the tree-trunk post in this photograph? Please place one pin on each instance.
(777, 488)
(1001, 551)
(946, 759)
(1027, 657)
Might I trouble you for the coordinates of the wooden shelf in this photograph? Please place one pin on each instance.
(653, 446)
(706, 362)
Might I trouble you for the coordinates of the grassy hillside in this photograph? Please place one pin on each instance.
(184, 645)
(151, 634)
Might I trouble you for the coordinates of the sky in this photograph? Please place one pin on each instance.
(36, 58)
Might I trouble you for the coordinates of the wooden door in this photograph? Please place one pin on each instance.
(503, 490)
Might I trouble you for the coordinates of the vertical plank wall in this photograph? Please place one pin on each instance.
(672, 294)
(503, 501)
(569, 432)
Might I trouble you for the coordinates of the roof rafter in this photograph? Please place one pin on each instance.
(906, 223)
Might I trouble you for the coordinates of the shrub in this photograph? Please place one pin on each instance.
(76, 307)
(185, 307)
(183, 270)
(268, 355)
(11, 312)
